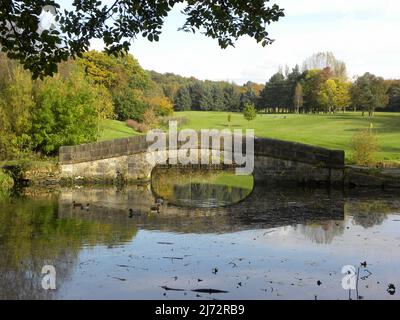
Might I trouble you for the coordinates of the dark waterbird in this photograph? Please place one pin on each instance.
(133, 214)
(77, 205)
(87, 207)
(209, 291)
(171, 289)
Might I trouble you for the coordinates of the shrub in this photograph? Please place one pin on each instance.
(6, 182)
(364, 146)
(137, 126)
(161, 105)
(150, 119)
(249, 112)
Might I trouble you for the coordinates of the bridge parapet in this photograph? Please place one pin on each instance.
(276, 161)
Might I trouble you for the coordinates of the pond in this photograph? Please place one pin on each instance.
(213, 236)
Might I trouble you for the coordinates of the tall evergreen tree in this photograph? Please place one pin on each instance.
(218, 97)
(183, 102)
(232, 98)
(394, 96)
(247, 97)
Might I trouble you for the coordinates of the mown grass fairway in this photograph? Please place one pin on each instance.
(329, 131)
(113, 129)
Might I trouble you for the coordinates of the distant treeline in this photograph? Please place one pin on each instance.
(321, 85)
(197, 95)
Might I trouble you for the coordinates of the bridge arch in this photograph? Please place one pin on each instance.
(275, 162)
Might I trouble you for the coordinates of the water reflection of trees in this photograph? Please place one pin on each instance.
(33, 235)
(37, 231)
(363, 211)
(323, 232)
(368, 213)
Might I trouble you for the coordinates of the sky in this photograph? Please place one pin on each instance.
(363, 33)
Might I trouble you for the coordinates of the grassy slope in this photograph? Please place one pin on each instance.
(113, 129)
(329, 131)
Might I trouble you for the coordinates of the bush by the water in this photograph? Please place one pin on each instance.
(39, 116)
(6, 182)
(364, 145)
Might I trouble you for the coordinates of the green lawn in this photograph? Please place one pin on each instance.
(329, 131)
(113, 129)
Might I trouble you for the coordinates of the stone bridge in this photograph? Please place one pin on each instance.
(275, 162)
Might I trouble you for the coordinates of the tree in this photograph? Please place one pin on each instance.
(394, 95)
(218, 97)
(206, 102)
(322, 60)
(162, 106)
(232, 97)
(115, 73)
(40, 49)
(65, 113)
(327, 96)
(129, 104)
(368, 93)
(126, 81)
(343, 99)
(16, 104)
(298, 97)
(249, 112)
(275, 92)
(248, 97)
(183, 101)
(313, 82)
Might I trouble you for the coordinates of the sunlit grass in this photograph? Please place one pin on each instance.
(328, 131)
(113, 129)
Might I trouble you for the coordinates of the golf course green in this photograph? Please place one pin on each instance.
(330, 131)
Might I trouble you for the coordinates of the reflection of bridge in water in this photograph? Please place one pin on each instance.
(39, 229)
(262, 209)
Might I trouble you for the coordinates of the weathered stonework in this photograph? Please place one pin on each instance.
(277, 162)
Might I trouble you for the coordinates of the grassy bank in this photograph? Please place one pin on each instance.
(113, 129)
(328, 131)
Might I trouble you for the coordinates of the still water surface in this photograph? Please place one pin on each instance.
(213, 232)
